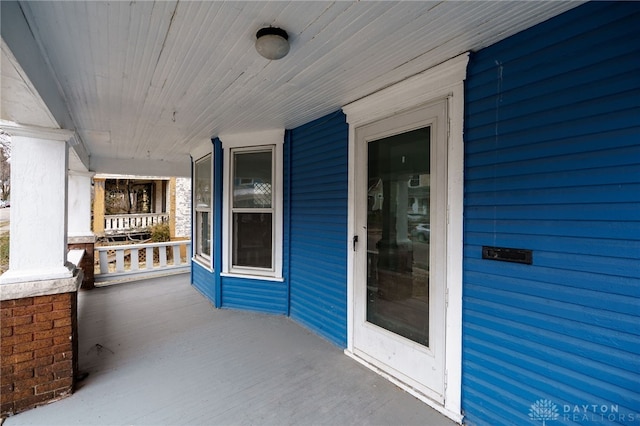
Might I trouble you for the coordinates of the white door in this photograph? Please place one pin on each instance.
(400, 253)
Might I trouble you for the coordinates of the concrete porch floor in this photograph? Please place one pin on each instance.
(158, 353)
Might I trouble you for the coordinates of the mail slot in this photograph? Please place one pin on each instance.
(506, 254)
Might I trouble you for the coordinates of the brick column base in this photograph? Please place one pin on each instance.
(38, 349)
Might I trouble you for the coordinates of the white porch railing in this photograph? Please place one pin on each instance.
(127, 223)
(142, 260)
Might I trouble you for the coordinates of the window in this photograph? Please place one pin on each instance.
(252, 209)
(202, 207)
(252, 219)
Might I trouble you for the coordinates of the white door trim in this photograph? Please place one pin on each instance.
(442, 81)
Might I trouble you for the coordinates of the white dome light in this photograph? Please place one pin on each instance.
(272, 43)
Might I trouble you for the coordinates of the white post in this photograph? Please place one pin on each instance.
(79, 222)
(38, 225)
(159, 194)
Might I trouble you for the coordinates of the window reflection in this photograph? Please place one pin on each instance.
(202, 205)
(398, 230)
(252, 245)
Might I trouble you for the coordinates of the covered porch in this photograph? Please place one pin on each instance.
(158, 353)
(475, 162)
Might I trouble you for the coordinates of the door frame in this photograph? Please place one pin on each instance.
(375, 343)
(442, 81)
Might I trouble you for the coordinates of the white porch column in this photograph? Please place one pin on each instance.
(79, 220)
(79, 233)
(38, 226)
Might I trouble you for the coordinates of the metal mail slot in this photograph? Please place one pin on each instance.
(505, 254)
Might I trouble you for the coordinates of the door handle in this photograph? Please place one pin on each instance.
(355, 241)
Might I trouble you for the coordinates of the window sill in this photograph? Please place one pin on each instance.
(201, 261)
(252, 277)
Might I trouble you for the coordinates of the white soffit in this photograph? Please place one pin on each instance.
(20, 101)
(151, 80)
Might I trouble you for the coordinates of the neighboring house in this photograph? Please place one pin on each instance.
(521, 305)
(182, 227)
(128, 206)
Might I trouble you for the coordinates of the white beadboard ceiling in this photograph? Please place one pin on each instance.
(150, 81)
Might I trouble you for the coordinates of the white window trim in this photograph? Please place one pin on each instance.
(204, 261)
(203, 149)
(263, 139)
(442, 81)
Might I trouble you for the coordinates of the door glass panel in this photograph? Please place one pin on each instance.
(398, 230)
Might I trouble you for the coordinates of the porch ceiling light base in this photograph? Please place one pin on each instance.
(272, 43)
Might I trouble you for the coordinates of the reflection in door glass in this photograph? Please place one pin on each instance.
(398, 234)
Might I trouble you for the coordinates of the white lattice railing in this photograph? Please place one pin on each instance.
(127, 223)
(142, 260)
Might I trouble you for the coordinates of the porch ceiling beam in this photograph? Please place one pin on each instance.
(18, 37)
(142, 167)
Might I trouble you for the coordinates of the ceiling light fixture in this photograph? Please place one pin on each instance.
(272, 43)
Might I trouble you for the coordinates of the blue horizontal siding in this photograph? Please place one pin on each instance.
(552, 164)
(318, 227)
(566, 31)
(558, 88)
(560, 300)
(625, 213)
(577, 132)
(572, 279)
(581, 229)
(254, 295)
(610, 168)
(203, 280)
(513, 163)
